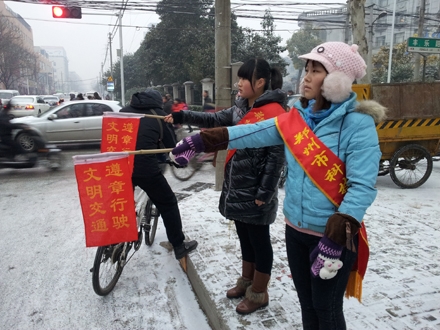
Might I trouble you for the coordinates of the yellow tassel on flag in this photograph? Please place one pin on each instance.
(354, 286)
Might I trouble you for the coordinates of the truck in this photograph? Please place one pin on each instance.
(410, 136)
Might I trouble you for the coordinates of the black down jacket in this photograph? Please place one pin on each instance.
(252, 173)
(149, 132)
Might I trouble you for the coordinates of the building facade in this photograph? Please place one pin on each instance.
(406, 23)
(25, 81)
(45, 82)
(60, 64)
(333, 23)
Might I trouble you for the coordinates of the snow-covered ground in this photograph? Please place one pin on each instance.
(45, 281)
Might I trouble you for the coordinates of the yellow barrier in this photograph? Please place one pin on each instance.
(362, 91)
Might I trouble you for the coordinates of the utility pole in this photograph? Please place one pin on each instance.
(357, 14)
(111, 60)
(420, 35)
(347, 24)
(122, 60)
(222, 72)
(370, 41)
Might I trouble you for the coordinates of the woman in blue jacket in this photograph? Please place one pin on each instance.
(322, 223)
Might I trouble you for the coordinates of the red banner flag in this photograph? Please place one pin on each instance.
(106, 197)
(119, 132)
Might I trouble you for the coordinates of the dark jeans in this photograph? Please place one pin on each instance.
(321, 300)
(255, 245)
(161, 194)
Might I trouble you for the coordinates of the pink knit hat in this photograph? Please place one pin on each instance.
(343, 64)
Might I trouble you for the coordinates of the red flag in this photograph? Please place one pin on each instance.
(119, 132)
(106, 197)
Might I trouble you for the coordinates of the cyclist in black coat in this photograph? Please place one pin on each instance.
(147, 173)
(6, 128)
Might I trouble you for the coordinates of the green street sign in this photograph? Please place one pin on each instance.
(424, 45)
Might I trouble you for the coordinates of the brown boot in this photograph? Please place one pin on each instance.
(243, 282)
(256, 295)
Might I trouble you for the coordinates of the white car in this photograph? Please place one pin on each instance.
(27, 105)
(52, 100)
(7, 94)
(75, 122)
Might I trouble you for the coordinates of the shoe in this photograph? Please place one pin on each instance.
(240, 288)
(256, 295)
(185, 248)
(243, 282)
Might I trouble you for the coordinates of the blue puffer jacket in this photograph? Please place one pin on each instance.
(350, 132)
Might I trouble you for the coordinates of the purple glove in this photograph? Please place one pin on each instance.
(193, 142)
(325, 258)
(186, 149)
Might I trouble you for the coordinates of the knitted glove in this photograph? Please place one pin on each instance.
(325, 258)
(186, 149)
(193, 142)
(182, 159)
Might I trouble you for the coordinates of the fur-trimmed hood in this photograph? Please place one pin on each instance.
(372, 108)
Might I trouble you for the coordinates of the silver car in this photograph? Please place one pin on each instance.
(27, 105)
(76, 122)
(52, 100)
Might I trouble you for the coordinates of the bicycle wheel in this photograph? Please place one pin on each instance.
(186, 173)
(411, 166)
(151, 220)
(107, 268)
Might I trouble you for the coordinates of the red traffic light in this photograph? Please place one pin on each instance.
(66, 12)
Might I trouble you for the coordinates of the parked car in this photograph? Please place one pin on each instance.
(74, 123)
(7, 94)
(52, 100)
(27, 105)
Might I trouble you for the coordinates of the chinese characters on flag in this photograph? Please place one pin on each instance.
(106, 196)
(119, 133)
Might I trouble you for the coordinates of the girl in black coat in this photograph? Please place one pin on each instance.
(249, 194)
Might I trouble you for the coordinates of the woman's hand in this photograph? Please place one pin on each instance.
(169, 119)
(259, 203)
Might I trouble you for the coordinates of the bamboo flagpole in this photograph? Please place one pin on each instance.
(149, 151)
(154, 116)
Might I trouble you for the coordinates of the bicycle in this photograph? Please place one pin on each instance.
(110, 260)
(195, 164)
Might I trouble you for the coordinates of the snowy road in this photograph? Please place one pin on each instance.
(45, 281)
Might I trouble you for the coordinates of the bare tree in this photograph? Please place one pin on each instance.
(357, 14)
(16, 61)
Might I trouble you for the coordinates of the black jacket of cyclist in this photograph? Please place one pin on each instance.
(6, 128)
(147, 173)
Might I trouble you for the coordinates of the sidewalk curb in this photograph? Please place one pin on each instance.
(205, 302)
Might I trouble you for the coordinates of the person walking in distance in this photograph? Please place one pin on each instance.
(332, 153)
(167, 103)
(250, 189)
(207, 102)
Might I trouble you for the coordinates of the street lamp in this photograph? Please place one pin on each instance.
(370, 42)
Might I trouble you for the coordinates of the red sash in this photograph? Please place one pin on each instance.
(327, 172)
(255, 115)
